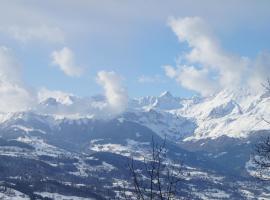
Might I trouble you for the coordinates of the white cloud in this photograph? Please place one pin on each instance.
(170, 71)
(60, 96)
(14, 95)
(67, 105)
(37, 33)
(65, 60)
(206, 50)
(62, 104)
(259, 71)
(214, 68)
(115, 93)
(9, 67)
(195, 79)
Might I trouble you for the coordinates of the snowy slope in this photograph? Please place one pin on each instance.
(234, 113)
(231, 112)
(163, 102)
(62, 138)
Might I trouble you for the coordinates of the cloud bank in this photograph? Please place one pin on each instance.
(65, 60)
(14, 95)
(207, 67)
(112, 103)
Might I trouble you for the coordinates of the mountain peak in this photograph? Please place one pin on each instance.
(166, 94)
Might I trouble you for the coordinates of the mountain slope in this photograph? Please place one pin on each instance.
(60, 148)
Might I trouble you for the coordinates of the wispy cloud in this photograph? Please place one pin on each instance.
(65, 60)
(150, 79)
(41, 33)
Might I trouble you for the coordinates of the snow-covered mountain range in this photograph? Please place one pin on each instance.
(64, 147)
(233, 113)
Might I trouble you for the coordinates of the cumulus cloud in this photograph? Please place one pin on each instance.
(209, 66)
(65, 60)
(14, 95)
(115, 93)
(206, 50)
(33, 33)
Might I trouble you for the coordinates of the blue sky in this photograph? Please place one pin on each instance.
(131, 38)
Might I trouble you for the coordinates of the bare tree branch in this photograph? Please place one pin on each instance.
(158, 178)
